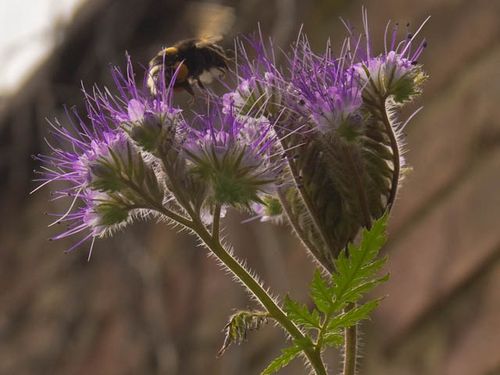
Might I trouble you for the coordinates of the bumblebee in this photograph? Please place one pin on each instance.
(196, 60)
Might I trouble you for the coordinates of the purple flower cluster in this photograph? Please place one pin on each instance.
(136, 153)
(334, 101)
(102, 170)
(233, 154)
(134, 147)
(326, 88)
(78, 164)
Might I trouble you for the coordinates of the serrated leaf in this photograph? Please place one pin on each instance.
(361, 264)
(355, 275)
(321, 293)
(284, 359)
(373, 239)
(356, 293)
(374, 266)
(353, 316)
(300, 314)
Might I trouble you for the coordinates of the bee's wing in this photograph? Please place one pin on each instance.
(208, 41)
(210, 21)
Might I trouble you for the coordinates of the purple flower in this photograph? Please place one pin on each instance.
(334, 118)
(151, 121)
(234, 155)
(83, 173)
(327, 89)
(102, 172)
(394, 73)
(294, 137)
(269, 209)
(322, 91)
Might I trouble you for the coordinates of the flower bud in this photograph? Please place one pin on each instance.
(256, 96)
(338, 134)
(269, 209)
(390, 75)
(104, 213)
(152, 131)
(232, 156)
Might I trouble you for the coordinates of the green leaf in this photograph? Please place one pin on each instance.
(284, 359)
(321, 293)
(356, 273)
(361, 265)
(353, 316)
(357, 292)
(300, 314)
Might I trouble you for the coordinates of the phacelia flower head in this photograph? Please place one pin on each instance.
(322, 91)
(89, 179)
(260, 83)
(98, 163)
(396, 72)
(269, 209)
(151, 121)
(233, 154)
(336, 123)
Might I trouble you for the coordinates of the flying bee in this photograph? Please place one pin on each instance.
(197, 60)
(193, 60)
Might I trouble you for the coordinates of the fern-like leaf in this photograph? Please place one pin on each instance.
(287, 355)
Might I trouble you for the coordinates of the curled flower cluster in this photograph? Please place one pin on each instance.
(335, 119)
(232, 155)
(136, 155)
(313, 140)
(88, 178)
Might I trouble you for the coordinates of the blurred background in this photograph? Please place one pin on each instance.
(150, 301)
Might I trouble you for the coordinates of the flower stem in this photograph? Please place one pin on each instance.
(212, 242)
(216, 223)
(262, 296)
(350, 347)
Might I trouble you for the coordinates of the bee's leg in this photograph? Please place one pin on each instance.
(189, 89)
(200, 83)
(187, 86)
(222, 72)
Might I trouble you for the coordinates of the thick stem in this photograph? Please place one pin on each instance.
(216, 223)
(212, 241)
(158, 206)
(350, 347)
(262, 296)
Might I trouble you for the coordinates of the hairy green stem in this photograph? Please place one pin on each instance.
(350, 347)
(158, 206)
(216, 223)
(262, 296)
(213, 243)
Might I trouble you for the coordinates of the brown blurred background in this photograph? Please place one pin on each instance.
(151, 302)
